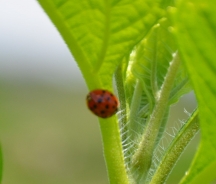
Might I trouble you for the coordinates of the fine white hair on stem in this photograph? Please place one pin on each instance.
(186, 112)
(166, 139)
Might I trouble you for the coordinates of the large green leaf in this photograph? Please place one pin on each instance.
(195, 27)
(100, 33)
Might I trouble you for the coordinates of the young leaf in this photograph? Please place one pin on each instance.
(152, 58)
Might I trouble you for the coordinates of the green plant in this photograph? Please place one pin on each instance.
(151, 49)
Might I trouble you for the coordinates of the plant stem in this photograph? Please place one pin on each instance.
(134, 108)
(142, 158)
(122, 100)
(154, 84)
(175, 149)
(113, 151)
(162, 126)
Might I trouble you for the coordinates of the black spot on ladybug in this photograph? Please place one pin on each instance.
(94, 106)
(102, 112)
(107, 106)
(108, 98)
(100, 100)
(103, 93)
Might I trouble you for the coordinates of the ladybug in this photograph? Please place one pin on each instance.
(102, 103)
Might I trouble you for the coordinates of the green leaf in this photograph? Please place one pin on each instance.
(151, 61)
(153, 56)
(195, 27)
(100, 33)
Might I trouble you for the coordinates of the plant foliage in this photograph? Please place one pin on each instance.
(154, 50)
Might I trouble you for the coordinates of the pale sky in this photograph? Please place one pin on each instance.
(31, 47)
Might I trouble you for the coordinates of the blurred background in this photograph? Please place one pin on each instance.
(47, 134)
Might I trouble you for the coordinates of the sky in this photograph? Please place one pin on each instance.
(31, 47)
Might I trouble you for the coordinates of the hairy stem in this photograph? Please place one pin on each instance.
(113, 151)
(176, 148)
(122, 100)
(142, 158)
(135, 104)
(154, 84)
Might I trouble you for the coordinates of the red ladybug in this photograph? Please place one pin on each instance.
(102, 103)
